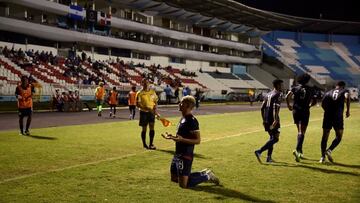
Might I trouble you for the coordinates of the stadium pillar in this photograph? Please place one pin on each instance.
(7, 10)
(93, 6)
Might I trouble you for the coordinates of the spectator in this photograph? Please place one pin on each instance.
(168, 93)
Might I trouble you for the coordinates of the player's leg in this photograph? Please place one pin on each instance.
(174, 169)
(28, 123)
(274, 138)
(152, 134)
(133, 112)
(130, 109)
(334, 144)
(143, 122)
(21, 122)
(324, 140)
(111, 110)
(143, 136)
(114, 110)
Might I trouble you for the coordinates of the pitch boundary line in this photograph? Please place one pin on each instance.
(128, 155)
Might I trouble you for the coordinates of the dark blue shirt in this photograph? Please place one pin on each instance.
(303, 95)
(333, 102)
(186, 126)
(271, 101)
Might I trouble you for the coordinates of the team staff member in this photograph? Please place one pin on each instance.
(146, 101)
(132, 102)
(24, 94)
(333, 105)
(113, 101)
(99, 97)
(270, 114)
(187, 136)
(304, 98)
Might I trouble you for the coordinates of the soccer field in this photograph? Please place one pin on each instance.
(106, 163)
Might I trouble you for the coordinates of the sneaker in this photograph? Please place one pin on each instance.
(258, 155)
(269, 160)
(301, 155)
(328, 154)
(297, 156)
(322, 160)
(212, 177)
(21, 133)
(27, 132)
(152, 147)
(145, 146)
(114, 116)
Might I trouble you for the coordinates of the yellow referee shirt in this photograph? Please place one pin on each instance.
(146, 100)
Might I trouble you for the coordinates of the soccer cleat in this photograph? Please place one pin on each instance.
(27, 132)
(258, 155)
(212, 177)
(328, 154)
(297, 156)
(114, 116)
(301, 155)
(21, 133)
(152, 147)
(322, 160)
(269, 160)
(145, 146)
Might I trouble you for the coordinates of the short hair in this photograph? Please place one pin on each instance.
(101, 83)
(24, 77)
(114, 88)
(277, 82)
(189, 99)
(341, 84)
(303, 79)
(133, 88)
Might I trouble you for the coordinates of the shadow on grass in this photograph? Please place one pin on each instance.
(320, 169)
(347, 165)
(228, 193)
(41, 137)
(173, 152)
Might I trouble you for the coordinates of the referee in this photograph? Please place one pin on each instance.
(146, 101)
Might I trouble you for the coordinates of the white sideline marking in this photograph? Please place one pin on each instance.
(128, 155)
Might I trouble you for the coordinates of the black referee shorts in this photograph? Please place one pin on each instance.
(146, 118)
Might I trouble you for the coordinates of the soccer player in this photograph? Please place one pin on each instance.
(24, 94)
(146, 101)
(304, 98)
(113, 101)
(132, 102)
(187, 136)
(99, 96)
(333, 105)
(270, 114)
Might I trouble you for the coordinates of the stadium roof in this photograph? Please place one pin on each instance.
(229, 15)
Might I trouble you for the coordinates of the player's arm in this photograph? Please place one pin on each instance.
(276, 112)
(195, 134)
(263, 110)
(17, 93)
(313, 98)
(288, 98)
(324, 102)
(347, 100)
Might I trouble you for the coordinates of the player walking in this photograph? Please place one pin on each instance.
(187, 136)
(113, 101)
(132, 102)
(99, 96)
(24, 94)
(304, 98)
(270, 114)
(333, 105)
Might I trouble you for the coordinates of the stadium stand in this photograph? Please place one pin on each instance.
(338, 60)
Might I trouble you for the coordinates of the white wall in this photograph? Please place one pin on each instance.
(28, 46)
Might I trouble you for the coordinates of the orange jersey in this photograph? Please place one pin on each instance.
(100, 93)
(132, 98)
(113, 97)
(25, 97)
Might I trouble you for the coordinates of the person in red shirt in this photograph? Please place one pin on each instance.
(113, 101)
(24, 94)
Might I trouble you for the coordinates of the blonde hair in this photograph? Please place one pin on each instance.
(189, 100)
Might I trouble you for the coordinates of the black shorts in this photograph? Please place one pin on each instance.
(112, 105)
(301, 116)
(330, 122)
(181, 166)
(146, 118)
(132, 107)
(275, 130)
(25, 112)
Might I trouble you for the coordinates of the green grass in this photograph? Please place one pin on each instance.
(105, 163)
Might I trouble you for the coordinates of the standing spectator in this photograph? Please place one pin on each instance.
(168, 93)
(146, 100)
(56, 100)
(132, 102)
(24, 94)
(176, 94)
(198, 95)
(99, 97)
(113, 101)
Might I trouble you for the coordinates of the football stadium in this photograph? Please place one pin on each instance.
(179, 101)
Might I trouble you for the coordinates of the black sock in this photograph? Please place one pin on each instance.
(143, 136)
(28, 122)
(323, 146)
(335, 143)
(269, 144)
(270, 150)
(151, 135)
(21, 124)
(300, 141)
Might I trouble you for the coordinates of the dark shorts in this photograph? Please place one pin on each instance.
(301, 116)
(181, 166)
(25, 112)
(99, 102)
(275, 130)
(146, 118)
(132, 107)
(112, 105)
(330, 122)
